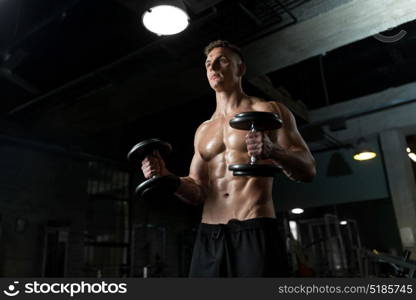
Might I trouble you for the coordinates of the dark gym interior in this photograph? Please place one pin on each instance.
(81, 82)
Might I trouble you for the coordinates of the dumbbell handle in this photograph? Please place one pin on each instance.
(157, 174)
(253, 159)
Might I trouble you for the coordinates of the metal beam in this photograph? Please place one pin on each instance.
(345, 24)
(19, 81)
(364, 116)
(94, 73)
(59, 149)
(376, 102)
(370, 115)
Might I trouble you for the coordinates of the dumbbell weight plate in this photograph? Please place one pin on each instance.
(158, 187)
(262, 121)
(257, 170)
(146, 147)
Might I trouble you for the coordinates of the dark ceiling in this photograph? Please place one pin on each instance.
(352, 71)
(88, 73)
(47, 45)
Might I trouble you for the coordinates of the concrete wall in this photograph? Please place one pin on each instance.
(402, 185)
(376, 222)
(366, 182)
(391, 126)
(177, 219)
(38, 187)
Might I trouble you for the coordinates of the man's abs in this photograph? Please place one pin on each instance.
(237, 197)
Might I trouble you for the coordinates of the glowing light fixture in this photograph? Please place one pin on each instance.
(363, 151)
(294, 229)
(343, 222)
(297, 211)
(165, 17)
(411, 155)
(367, 155)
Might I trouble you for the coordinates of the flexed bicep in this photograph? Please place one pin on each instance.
(294, 155)
(288, 136)
(198, 170)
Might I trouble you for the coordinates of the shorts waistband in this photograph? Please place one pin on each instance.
(238, 225)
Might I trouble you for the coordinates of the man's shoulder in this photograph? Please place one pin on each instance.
(204, 125)
(268, 105)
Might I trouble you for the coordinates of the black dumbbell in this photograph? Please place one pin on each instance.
(255, 121)
(157, 186)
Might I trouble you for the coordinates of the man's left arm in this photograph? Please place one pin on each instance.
(291, 152)
(288, 150)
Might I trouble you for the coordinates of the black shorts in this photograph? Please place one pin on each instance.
(250, 248)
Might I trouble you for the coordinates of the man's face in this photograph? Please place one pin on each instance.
(223, 67)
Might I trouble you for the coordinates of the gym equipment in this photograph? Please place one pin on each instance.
(157, 186)
(255, 121)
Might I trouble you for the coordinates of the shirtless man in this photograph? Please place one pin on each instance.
(238, 234)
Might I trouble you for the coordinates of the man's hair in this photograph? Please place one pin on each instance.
(223, 44)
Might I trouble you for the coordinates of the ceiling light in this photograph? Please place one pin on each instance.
(167, 18)
(363, 151)
(343, 222)
(297, 211)
(366, 155)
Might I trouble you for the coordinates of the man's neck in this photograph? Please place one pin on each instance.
(229, 101)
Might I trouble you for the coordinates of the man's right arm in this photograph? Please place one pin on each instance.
(193, 188)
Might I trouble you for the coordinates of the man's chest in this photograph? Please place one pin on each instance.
(218, 137)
